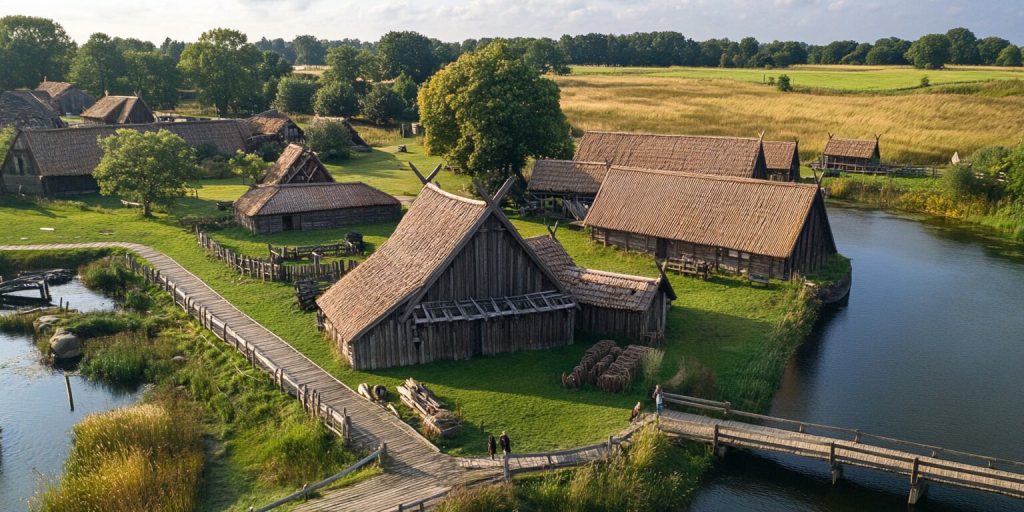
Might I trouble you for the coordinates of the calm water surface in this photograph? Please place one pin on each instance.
(929, 348)
(34, 413)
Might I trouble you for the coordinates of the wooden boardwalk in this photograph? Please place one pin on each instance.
(927, 464)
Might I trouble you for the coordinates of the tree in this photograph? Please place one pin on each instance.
(344, 64)
(834, 52)
(330, 139)
(406, 52)
(295, 94)
(487, 112)
(369, 65)
(145, 167)
(381, 104)
(888, 51)
(154, 76)
(32, 49)
(963, 46)
(6, 136)
(990, 48)
(248, 166)
(272, 66)
(929, 52)
(335, 98)
(172, 48)
(546, 56)
(1010, 56)
(859, 54)
(99, 66)
(1014, 168)
(308, 50)
(784, 85)
(407, 89)
(223, 66)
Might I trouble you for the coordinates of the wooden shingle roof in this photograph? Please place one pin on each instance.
(117, 109)
(595, 287)
(567, 176)
(269, 123)
(726, 156)
(780, 155)
(54, 89)
(743, 214)
(294, 155)
(76, 152)
(28, 110)
(310, 197)
(851, 148)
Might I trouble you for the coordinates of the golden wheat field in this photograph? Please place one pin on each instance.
(924, 127)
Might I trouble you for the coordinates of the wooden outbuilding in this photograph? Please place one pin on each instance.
(454, 281)
(855, 155)
(617, 305)
(274, 126)
(566, 184)
(28, 110)
(766, 229)
(724, 156)
(297, 164)
(67, 99)
(118, 110)
(305, 206)
(782, 159)
(60, 162)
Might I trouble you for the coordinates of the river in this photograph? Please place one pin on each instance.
(34, 412)
(928, 348)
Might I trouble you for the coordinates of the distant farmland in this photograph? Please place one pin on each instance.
(923, 126)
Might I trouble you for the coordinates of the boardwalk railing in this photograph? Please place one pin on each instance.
(306, 490)
(338, 421)
(268, 270)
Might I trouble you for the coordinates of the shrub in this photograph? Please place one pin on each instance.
(925, 82)
(330, 139)
(382, 104)
(651, 367)
(694, 379)
(336, 99)
(783, 84)
(269, 151)
(109, 277)
(958, 183)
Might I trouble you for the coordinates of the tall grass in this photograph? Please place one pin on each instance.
(19, 323)
(139, 458)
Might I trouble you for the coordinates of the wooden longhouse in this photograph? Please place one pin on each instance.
(852, 155)
(617, 305)
(572, 185)
(274, 126)
(297, 165)
(783, 160)
(60, 162)
(66, 98)
(454, 281)
(723, 156)
(27, 110)
(118, 110)
(306, 206)
(761, 228)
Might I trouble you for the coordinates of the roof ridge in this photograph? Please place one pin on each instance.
(647, 134)
(630, 277)
(714, 177)
(455, 197)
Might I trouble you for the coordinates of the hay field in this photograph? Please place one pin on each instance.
(923, 127)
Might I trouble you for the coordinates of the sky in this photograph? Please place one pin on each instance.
(813, 21)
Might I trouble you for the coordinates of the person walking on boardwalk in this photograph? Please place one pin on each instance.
(491, 446)
(506, 443)
(659, 400)
(635, 414)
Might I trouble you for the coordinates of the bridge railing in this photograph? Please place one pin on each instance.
(856, 435)
(309, 489)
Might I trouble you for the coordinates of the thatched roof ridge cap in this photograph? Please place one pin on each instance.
(456, 197)
(715, 177)
(683, 135)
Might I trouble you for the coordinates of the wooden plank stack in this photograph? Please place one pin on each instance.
(620, 373)
(436, 419)
(607, 366)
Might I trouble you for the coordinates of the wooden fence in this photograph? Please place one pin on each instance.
(338, 421)
(268, 270)
(304, 493)
(312, 252)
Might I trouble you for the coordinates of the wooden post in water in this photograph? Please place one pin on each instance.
(67, 385)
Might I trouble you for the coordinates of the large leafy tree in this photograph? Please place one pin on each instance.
(99, 66)
(382, 104)
(963, 46)
(32, 49)
(929, 52)
(145, 167)
(295, 94)
(1010, 56)
(308, 50)
(411, 53)
(344, 64)
(154, 76)
(488, 112)
(990, 48)
(889, 50)
(224, 67)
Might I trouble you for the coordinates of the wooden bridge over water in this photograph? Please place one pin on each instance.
(416, 475)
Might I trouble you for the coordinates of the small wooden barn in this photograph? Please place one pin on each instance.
(782, 159)
(27, 110)
(851, 154)
(723, 156)
(274, 126)
(761, 228)
(454, 281)
(66, 98)
(297, 164)
(118, 110)
(611, 304)
(305, 206)
(60, 162)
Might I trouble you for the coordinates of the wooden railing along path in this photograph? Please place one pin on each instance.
(843, 446)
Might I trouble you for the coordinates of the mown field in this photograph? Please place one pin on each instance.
(925, 126)
(722, 324)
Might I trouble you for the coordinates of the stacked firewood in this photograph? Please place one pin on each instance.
(620, 373)
(436, 419)
(582, 373)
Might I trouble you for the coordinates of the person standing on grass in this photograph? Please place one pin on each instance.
(635, 414)
(659, 400)
(491, 446)
(506, 443)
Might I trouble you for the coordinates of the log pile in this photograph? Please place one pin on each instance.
(436, 419)
(580, 375)
(620, 373)
(607, 367)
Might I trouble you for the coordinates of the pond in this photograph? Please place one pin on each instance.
(928, 348)
(34, 412)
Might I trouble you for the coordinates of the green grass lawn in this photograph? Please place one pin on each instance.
(839, 78)
(724, 324)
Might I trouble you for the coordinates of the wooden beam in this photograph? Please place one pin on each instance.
(419, 175)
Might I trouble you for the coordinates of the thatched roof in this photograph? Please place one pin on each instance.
(595, 287)
(780, 155)
(433, 231)
(294, 156)
(55, 89)
(118, 110)
(75, 151)
(310, 197)
(851, 148)
(726, 156)
(270, 122)
(743, 214)
(28, 110)
(567, 176)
